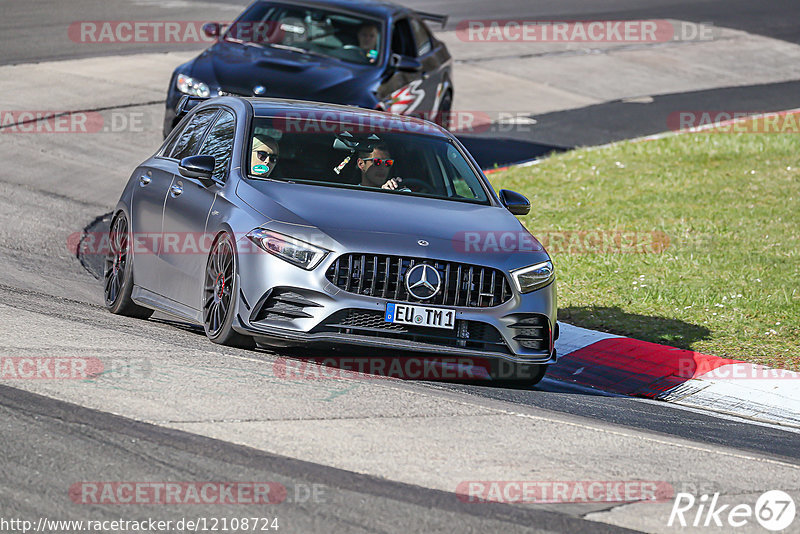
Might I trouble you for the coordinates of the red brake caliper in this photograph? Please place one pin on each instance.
(220, 286)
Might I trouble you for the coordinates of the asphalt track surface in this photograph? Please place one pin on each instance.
(618, 120)
(42, 436)
(79, 441)
(623, 411)
(34, 31)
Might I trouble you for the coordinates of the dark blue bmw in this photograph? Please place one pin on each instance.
(374, 55)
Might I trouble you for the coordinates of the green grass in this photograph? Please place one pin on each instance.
(727, 282)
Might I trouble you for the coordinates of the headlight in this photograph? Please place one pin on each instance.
(192, 87)
(287, 248)
(534, 277)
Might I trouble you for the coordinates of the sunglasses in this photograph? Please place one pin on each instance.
(264, 155)
(378, 162)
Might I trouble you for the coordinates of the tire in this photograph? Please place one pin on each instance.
(118, 272)
(537, 375)
(445, 106)
(531, 375)
(220, 290)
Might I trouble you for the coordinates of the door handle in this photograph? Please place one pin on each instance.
(144, 180)
(175, 190)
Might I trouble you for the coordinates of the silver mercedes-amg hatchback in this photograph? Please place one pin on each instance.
(288, 223)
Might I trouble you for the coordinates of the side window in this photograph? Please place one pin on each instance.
(219, 144)
(402, 39)
(463, 181)
(422, 37)
(191, 136)
(168, 149)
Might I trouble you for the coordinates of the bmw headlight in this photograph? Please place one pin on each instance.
(534, 277)
(287, 248)
(192, 87)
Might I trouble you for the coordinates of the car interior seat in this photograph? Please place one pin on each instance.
(294, 30)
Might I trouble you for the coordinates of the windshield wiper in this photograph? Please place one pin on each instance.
(305, 51)
(245, 44)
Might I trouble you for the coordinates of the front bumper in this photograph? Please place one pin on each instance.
(281, 304)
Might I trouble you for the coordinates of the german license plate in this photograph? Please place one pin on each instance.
(420, 315)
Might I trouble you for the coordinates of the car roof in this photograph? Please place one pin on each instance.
(306, 110)
(375, 8)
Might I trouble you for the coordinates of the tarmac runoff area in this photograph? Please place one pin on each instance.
(403, 431)
(507, 94)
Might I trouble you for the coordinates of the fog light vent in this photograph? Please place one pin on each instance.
(533, 332)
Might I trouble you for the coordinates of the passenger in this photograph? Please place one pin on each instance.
(264, 156)
(375, 167)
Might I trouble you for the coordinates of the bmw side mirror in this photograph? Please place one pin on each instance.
(211, 29)
(406, 63)
(198, 167)
(515, 202)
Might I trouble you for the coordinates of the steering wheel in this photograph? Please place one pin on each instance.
(417, 186)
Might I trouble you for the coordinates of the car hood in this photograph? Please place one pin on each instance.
(238, 69)
(377, 222)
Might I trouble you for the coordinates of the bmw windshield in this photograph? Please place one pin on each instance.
(345, 154)
(309, 30)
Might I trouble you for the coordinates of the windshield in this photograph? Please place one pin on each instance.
(311, 31)
(338, 153)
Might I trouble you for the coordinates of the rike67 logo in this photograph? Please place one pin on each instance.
(774, 510)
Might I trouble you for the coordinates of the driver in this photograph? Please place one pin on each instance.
(264, 155)
(368, 36)
(375, 166)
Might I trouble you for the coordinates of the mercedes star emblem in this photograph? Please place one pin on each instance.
(259, 90)
(423, 281)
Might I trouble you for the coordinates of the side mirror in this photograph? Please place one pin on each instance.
(198, 167)
(405, 63)
(515, 202)
(211, 29)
